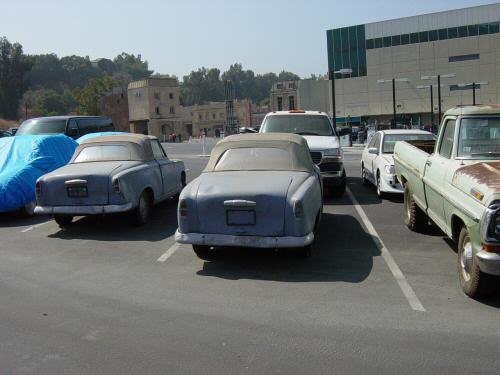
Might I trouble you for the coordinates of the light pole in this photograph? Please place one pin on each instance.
(439, 76)
(432, 103)
(331, 74)
(474, 86)
(393, 81)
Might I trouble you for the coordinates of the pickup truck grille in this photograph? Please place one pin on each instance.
(316, 157)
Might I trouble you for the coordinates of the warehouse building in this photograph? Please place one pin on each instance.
(401, 59)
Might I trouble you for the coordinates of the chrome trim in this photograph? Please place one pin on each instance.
(83, 210)
(75, 182)
(487, 228)
(488, 262)
(240, 203)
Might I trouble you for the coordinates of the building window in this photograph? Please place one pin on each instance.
(405, 39)
(171, 96)
(172, 110)
(291, 102)
(279, 86)
(200, 117)
(413, 38)
(396, 40)
(464, 87)
(433, 35)
(473, 30)
(157, 95)
(462, 32)
(483, 29)
(280, 103)
(213, 116)
(157, 110)
(474, 56)
(443, 34)
(452, 32)
(423, 36)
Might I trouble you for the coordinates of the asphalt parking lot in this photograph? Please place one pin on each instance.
(105, 297)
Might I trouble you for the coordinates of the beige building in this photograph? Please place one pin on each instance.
(155, 109)
(305, 94)
(463, 46)
(211, 118)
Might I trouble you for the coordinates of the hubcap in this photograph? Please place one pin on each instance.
(466, 260)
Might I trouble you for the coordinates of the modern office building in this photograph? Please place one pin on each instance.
(462, 46)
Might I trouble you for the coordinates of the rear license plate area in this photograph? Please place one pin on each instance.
(240, 217)
(77, 191)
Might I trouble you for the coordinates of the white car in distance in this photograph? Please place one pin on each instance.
(377, 160)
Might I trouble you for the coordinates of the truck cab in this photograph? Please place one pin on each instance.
(455, 182)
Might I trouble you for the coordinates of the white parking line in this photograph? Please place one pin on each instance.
(172, 249)
(35, 226)
(386, 255)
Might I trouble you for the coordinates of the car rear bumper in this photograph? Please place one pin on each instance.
(333, 178)
(243, 241)
(488, 262)
(82, 210)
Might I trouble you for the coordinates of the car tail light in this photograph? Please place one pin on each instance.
(183, 208)
(298, 209)
(491, 248)
(116, 186)
(38, 188)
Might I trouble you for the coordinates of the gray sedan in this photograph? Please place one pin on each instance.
(258, 190)
(111, 174)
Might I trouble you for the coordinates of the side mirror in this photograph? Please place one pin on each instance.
(373, 150)
(343, 131)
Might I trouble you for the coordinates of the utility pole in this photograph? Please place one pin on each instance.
(432, 109)
(394, 103)
(331, 75)
(439, 98)
(473, 93)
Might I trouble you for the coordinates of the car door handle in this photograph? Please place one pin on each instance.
(428, 163)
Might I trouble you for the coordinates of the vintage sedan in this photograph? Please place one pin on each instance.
(111, 174)
(258, 190)
(377, 159)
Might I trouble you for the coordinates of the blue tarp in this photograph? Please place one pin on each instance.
(93, 135)
(23, 159)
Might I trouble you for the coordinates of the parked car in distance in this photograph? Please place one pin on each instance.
(456, 183)
(23, 160)
(258, 190)
(377, 159)
(111, 174)
(72, 126)
(323, 141)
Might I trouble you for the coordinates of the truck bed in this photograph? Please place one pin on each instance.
(426, 146)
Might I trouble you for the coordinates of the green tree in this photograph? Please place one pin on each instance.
(89, 97)
(46, 72)
(14, 67)
(78, 71)
(132, 65)
(202, 86)
(47, 102)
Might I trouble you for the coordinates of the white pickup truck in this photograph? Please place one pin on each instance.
(455, 182)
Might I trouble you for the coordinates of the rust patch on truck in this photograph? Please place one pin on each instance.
(487, 174)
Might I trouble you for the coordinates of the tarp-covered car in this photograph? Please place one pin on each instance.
(258, 190)
(111, 174)
(23, 159)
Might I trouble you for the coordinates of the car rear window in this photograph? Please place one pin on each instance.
(42, 126)
(103, 153)
(254, 159)
(391, 139)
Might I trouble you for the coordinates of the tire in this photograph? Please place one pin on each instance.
(415, 219)
(203, 252)
(473, 281)
(380, 193)
(63, 221)
(143, 209)
(338, 191)
(306, 251)
(364, 181)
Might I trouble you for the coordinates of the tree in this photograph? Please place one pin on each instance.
(89, 98)
(202, 86)
(78, 71)
(46, 72)
(132, 65)
(46, 102)
(14, 67)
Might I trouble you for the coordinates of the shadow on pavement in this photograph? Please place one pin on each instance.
(162, 224)
(19, 219)
(343, 252)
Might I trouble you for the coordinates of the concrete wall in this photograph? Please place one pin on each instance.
(314, 95)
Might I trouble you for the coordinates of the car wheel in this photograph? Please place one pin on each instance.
(380, 193)
(364, 181)
(339, 191)
(204, 252)
(143, 209)
(306, 251)
(415, 219)
(473, 281)
(63, 221)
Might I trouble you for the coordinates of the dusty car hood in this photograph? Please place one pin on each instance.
(480, 180)
(105, 168)
(317, 142)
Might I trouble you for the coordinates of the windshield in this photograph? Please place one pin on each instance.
(479, 138)
(103, 153)
(254, 159)
(42, 126)
(298, 124)
(391, 139)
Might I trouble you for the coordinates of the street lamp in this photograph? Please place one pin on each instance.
(394, 80)
(331, 73)
(432, 103)
(474, 85)
(439, 76)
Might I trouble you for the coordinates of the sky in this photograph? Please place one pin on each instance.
(176, 37)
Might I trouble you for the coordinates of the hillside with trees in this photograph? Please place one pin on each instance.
(45, 84)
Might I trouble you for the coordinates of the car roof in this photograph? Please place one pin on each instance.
(404, 131)
(493, 109)
(64, 117)
(283, 137)
(297, 112)
(128, 137)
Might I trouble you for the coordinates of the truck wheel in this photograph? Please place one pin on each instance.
(203, 252)
(414, 218)
(63, 221)
(143, 209)
(473, 281)
(339, 191)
